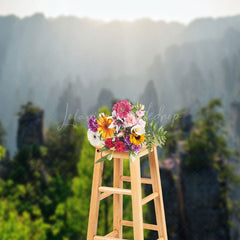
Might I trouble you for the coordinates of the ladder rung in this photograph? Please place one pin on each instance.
(143, 180)
(115, 190)
(106, 238)
(104, 195)
(149, 198)
(112, 234)
(145, 225)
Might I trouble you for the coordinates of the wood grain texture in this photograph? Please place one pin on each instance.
(112, 234)
(95, 198)
(107, 238)
(100, 192)
(149, 198)
(145, 225)
(158, 201)
(136, 199)
(143, 180)
(115, 190)
(117, 198)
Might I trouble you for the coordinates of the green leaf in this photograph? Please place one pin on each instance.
(145, 118)
(149, 146)
(104, 148)
(151, 124)
(155, 127)
(104, 158)
(159, 142)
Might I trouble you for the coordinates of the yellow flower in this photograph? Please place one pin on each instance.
(137, 139)
(104, 130)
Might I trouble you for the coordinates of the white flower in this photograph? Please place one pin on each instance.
(94, 138)
(120, 134)
(101, 115)
(117, 121)
(141, 107)
(114, 114)
(138, 129)
(112, 125)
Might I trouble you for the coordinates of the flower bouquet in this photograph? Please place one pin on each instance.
(126, 130)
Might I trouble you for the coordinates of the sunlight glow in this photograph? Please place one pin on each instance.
(168, 10)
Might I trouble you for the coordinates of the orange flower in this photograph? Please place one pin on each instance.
(104, 123)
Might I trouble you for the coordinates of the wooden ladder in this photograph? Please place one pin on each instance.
(100, 192)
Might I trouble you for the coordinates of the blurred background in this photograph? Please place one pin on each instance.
(61, 61)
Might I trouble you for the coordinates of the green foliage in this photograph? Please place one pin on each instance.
(2, 152)
(136, 107)
(39, 183)
(106, 157)
(207, 142)
(2, 133)
(207, 147)
(20, 227)
(70, 219)
(155, 135)
(29, 107)
(64, 148)
(105, 110)
(171, 144)
(71, 216)
(174, 133)
(48, 189)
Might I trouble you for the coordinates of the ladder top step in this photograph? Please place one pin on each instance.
(115, 190)
(125, 155)
(107, 238)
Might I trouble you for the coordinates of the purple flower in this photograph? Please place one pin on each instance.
(136, 148)
(127, 140)
(126, 148)
(92, 123)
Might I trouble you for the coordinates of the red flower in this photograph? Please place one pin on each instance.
(120, 147)
(109, 143)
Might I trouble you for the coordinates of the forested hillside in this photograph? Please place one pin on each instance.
(55, 61)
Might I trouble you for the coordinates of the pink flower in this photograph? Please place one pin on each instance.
(122, 108)
(130, 120)
(140, 113)
(141, 122)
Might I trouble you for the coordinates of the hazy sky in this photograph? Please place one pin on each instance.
(168, 10)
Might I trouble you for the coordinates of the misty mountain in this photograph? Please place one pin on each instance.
(53, 60)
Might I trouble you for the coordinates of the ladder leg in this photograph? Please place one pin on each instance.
(117, 198)
(158, 202)
(95, 197)
(136, 199)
